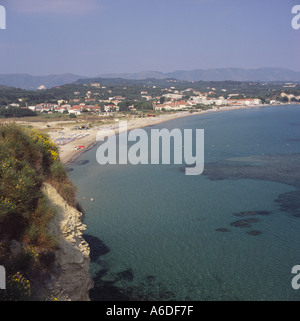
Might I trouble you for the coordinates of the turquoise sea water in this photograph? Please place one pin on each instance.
(157, 234)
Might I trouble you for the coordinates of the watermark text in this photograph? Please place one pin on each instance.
(188, 147)
(2, 17)
(296, 19)
(2, 278)
(296, 278)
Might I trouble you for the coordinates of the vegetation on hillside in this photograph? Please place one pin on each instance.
(132, 91)
(27, 159)
(16, 112)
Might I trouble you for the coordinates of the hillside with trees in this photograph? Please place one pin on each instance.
(136, 92)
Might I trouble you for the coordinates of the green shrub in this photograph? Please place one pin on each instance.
(27, 159)
(36, 234)
(59, 180)
(18, 288)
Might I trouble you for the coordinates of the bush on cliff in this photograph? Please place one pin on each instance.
(27, 159)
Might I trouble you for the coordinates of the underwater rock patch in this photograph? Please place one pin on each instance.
(244, 223)
(125, 275)
(252, 213)
(281, 168)
(254, 232)
(290, 202)
(222, 229)
(150, 278)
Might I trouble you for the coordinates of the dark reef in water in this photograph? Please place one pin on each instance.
(252, 213)
(110, 290)
(244, 223)
(110, 286)
(127, 275)
(254, 232)
(106, 290)
(222, 229)
(290, 202)
(283, 168)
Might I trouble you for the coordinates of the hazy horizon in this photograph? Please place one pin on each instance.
(98, 75)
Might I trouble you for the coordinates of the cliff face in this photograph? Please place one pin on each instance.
(72, 279)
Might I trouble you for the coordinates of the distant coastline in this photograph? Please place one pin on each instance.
(69, 155)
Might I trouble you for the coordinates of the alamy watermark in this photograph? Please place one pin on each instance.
(153, 149)
(2, 17)
(296, 19)
(2, 278)
(296, 278)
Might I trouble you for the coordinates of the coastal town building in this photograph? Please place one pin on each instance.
(77, 110)
(173, 96)
(61, 109)
(176, 105)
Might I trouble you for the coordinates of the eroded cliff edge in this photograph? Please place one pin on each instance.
(71, 279)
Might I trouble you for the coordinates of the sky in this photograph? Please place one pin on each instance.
(94, 37)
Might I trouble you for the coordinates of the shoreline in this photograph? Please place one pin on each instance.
(68, 155)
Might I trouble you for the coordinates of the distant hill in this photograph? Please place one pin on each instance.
(30, 82)
(161, 82)
(26, 81)
(216, 74)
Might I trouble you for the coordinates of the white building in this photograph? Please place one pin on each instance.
(173, 96)
(75, 110)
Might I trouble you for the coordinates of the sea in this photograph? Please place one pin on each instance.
(231, 233)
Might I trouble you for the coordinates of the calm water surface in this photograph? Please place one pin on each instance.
(157, 234)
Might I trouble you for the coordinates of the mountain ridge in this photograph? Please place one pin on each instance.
(217, 74)
(268, 74)
(31, 82)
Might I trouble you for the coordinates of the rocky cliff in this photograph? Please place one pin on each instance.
(71, 279)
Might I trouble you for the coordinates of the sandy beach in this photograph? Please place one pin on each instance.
(68, 153)
(68, 139)
(87, 138)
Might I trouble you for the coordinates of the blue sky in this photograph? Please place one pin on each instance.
(92, 37)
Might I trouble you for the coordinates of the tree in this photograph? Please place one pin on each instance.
(124, 105)
(162, 99)
(16, 112)
(143, 105)
(285, 99)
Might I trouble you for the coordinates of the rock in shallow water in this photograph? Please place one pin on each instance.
(252, 213)
(244, 223)
(254, 232)
(222, 229)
